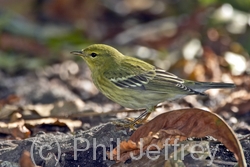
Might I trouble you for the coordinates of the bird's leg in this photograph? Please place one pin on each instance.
(142, 118)
(145, 114)
(139, 120)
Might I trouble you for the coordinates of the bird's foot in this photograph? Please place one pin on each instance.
(131, 123)
(127, 123)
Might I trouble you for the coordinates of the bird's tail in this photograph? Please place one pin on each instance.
(202, 86)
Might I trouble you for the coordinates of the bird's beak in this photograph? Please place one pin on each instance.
(77, 52)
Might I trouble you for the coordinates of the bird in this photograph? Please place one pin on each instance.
(136, 84)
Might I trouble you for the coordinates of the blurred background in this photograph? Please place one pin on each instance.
(36, 33)
(205, 40)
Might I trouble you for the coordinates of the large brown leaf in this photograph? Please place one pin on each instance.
(180, 124)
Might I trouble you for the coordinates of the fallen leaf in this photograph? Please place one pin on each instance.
(179, 124)
(25, 160)
(16, 129)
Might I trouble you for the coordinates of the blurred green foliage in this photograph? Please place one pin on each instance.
(44, 32)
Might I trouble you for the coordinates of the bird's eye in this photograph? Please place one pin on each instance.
(93, 54)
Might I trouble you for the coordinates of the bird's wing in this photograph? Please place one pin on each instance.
(131, 76)
(143, 76)
(165, 82)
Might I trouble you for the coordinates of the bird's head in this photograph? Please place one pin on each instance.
(98, 56)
